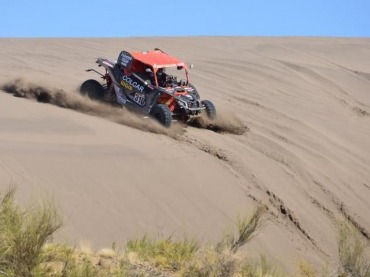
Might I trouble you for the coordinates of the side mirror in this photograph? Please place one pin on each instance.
(191, 66)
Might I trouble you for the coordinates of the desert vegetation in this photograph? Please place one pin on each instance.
(353, 251)
(27, 249)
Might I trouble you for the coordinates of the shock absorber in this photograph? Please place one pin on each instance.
(110, 96)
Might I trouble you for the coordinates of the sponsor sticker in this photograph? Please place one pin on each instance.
(131, 82)
(125, 59)
(126, 85)
(168, 65)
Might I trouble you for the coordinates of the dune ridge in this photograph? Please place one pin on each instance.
(298, 142)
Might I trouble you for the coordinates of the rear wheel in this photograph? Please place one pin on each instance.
(210, 109)
(163, 114)
(93, 89)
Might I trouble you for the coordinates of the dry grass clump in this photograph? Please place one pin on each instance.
(220, 260)
(261, 268)
(212, 263)
(23, 234)
(247, 227)
(26, 247)
(163, 253)
(352, 251)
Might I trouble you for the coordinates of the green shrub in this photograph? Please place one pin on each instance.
(247, 227)
(210, 263)
(261, 268)
(163, 253)
(23, 233)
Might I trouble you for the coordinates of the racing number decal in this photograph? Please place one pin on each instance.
(126, 85)
(140, 99)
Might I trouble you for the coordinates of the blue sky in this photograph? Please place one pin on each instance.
(120, 18)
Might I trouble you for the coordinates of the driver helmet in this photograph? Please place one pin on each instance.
(160, 72)
(149, 71)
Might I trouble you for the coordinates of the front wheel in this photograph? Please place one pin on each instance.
(163, 114)
(93, 89)
(210, 109)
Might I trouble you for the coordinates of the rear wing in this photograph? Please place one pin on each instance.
(105, 62)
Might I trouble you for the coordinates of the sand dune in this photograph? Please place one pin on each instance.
(293, 133)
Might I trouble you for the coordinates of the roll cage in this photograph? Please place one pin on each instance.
(139, 62)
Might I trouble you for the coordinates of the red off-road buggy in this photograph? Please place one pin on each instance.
(147, 82)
